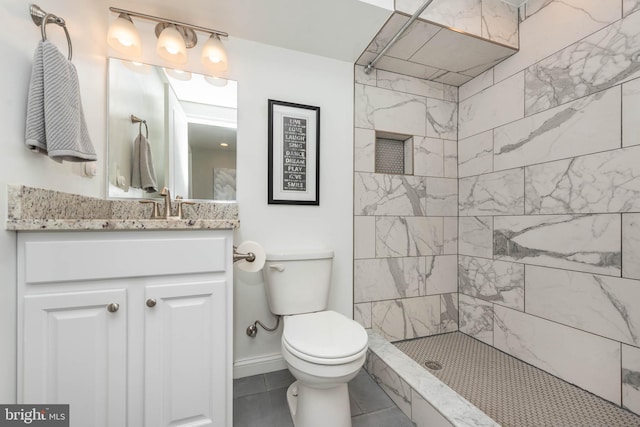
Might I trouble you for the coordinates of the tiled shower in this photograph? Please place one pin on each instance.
(520, 222)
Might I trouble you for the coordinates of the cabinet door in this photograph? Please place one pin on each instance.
(74, 352)
(186, 354)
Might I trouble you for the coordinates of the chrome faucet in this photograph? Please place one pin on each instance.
(167, 202)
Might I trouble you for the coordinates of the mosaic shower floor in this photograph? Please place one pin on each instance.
(509, 390)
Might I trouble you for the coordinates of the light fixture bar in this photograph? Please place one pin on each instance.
(170, 21)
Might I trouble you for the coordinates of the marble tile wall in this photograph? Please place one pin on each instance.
(549, 190)
(405, 226)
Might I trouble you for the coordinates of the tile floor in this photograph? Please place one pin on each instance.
(260, 401)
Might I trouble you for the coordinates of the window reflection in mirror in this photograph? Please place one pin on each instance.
(189, 141)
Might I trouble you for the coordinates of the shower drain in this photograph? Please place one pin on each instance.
(432, 364)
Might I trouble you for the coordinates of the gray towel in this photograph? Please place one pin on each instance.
(143, 174)
(55, 120)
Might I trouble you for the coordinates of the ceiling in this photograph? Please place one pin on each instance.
(339, 29)
(207, 137)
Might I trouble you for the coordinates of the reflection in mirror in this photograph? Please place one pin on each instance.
(187, 141)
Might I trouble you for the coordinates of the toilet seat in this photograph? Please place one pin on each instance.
(324, 337)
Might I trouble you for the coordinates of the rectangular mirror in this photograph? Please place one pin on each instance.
(185, 139)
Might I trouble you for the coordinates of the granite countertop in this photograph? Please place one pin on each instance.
(34, 209)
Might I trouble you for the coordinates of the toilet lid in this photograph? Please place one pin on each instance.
(324, 335)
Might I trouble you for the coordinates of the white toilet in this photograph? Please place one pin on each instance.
(323, 349)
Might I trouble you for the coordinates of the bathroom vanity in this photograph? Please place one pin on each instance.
(131, 328)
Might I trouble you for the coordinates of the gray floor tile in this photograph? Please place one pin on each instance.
(390, 417)
(367, 394)
(248, 385)
(278, 379)
(355, 408)
(267, 409)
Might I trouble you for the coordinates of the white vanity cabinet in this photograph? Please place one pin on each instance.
(130, 328)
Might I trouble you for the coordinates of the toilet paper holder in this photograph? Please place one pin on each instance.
(237, 256)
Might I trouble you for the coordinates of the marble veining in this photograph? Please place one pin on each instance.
(457, 410)
(630, 108)
(408, 236)
(631, 245)
(554, 27)
(442, 119)
(498, 193)
(589, 243)
(450, 159)
(407, 318)
(500, 22)
(476, 236)
(450, 245)
(475, 154)
(362, 314)
(442, 197)
(494, 281)
(631, 378)
(602, 60)
(478, 84)
(629, 6)
(412, 85)
(441, 274)
(476, 318)
(40, 209)
(428, 156)
(448, 312)
(492, 107)
(584, 126)
(377, 108)
(597, 183)
(607, 306)
(382, 194)
(395, 387)
(387, 278)
(364, 150)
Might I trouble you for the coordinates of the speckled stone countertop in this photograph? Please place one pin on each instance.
(39, 209)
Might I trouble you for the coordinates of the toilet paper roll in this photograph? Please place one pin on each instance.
(257, 250)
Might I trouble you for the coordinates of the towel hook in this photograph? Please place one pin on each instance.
(42, 18)
(140, 121)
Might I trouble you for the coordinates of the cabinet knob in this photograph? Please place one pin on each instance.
(113, 307)
(151, 302)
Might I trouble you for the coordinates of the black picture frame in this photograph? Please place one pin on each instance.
(294, 154)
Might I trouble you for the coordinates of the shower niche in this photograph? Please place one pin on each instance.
(394, 154)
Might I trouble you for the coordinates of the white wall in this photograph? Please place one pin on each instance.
(262, 72)
(87, 23)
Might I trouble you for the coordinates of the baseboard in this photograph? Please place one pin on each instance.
(258, 365)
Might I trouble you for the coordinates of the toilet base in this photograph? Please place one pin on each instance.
(319, 407)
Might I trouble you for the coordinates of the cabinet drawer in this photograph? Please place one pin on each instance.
(72, 259)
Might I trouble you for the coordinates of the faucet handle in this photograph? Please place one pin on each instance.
(180, 201)
(155, 213)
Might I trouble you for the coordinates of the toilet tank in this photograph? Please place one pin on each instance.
(298, 282)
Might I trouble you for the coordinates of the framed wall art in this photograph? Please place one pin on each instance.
(294, 154)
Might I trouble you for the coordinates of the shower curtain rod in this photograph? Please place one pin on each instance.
(395, 38)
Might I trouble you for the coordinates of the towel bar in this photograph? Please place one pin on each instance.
(42, 18)
(135, 119)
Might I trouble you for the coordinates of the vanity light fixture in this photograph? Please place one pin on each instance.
(214, 56)
(171, 45)
(124, 37)
(174, 38)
